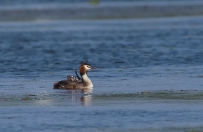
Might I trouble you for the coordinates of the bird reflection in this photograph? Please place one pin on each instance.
(84, 95)
(86, 99)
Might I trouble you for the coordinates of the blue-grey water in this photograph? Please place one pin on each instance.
(148, 76)
(40, 2)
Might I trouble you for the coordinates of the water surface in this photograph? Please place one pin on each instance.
(148, 77)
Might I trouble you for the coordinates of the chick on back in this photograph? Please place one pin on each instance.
(75, 82)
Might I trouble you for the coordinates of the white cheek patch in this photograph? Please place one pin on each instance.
(86, 67)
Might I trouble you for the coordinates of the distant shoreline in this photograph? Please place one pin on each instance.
(100, 11)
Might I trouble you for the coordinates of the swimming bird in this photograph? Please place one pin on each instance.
(75, 82)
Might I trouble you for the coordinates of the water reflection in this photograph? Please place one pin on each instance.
(84, 96)
(86, 99)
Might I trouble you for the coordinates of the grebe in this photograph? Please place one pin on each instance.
(73, 82)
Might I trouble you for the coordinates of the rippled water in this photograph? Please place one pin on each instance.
(148, 77)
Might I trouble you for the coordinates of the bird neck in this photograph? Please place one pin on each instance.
(85, 78)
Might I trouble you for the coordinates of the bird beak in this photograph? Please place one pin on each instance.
(93, 67)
